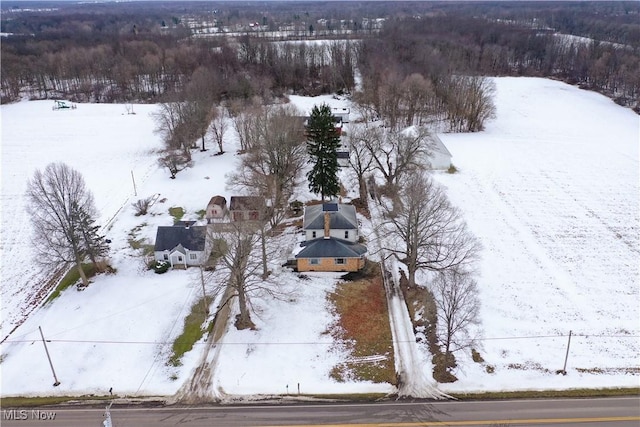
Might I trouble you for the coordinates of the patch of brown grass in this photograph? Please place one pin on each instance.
(362, 207)
(363, 325)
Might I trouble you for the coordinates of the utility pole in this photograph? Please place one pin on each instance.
(135, 192)
(566, 357)
(204, 292)
(56, 383)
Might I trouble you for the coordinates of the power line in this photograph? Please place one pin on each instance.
(79, 341)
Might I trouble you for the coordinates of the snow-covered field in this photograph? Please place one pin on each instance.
(550, 188)
(101, 141)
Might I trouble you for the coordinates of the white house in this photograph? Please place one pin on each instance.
(440, 157)
(183, 245)
(338, 219)
(341, 113)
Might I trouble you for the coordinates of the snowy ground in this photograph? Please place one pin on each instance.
(550, 188)
(101, 141)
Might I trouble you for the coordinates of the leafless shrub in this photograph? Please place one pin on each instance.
(142, 206)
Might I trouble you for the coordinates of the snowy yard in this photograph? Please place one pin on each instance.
(550, 188)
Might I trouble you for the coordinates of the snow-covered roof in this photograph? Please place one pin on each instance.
(439, 146)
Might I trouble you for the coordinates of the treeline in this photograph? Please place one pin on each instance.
(438, 47)
(143, 53)
(145, 69)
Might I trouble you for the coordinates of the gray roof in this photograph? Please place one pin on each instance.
(344, 218)
(331, 248)
(191, 238)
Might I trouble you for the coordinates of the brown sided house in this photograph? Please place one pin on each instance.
(216, 208)
(247, 208)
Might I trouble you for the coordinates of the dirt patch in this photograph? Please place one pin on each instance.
(363, 328)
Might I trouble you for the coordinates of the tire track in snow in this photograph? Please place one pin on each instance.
(199, 388)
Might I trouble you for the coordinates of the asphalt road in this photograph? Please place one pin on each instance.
(557, 412)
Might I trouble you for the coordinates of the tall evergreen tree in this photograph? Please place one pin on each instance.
(93, 243)
(322, 145)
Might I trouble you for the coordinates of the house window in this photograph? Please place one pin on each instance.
(165, 257)
(346, 234)
(193, 256)
(253, 215)
(314, 261)
(313, 234)
(179, 259)
(341, 261)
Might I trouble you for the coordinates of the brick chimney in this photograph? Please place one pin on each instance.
(327, 228)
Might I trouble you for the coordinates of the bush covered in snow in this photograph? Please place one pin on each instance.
(161, 266)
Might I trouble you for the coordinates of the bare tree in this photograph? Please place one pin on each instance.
(246, 124)
(62, 212)
(429, 232)
(199, 109)
(469, 102)
(167, 119)
(396, 153)
(418, 92)
(240, 261)
(360, 158)
(458, 305)
(183, 120)
(174, 161)
(218, 127)
(271, 167)
(391, 98)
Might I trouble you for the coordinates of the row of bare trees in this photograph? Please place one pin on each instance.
(462, 103)
(147, 69)
(423, 230)
(111, 57)
(271, 162)
(391, 153)
(274, 156)
(454, 44)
